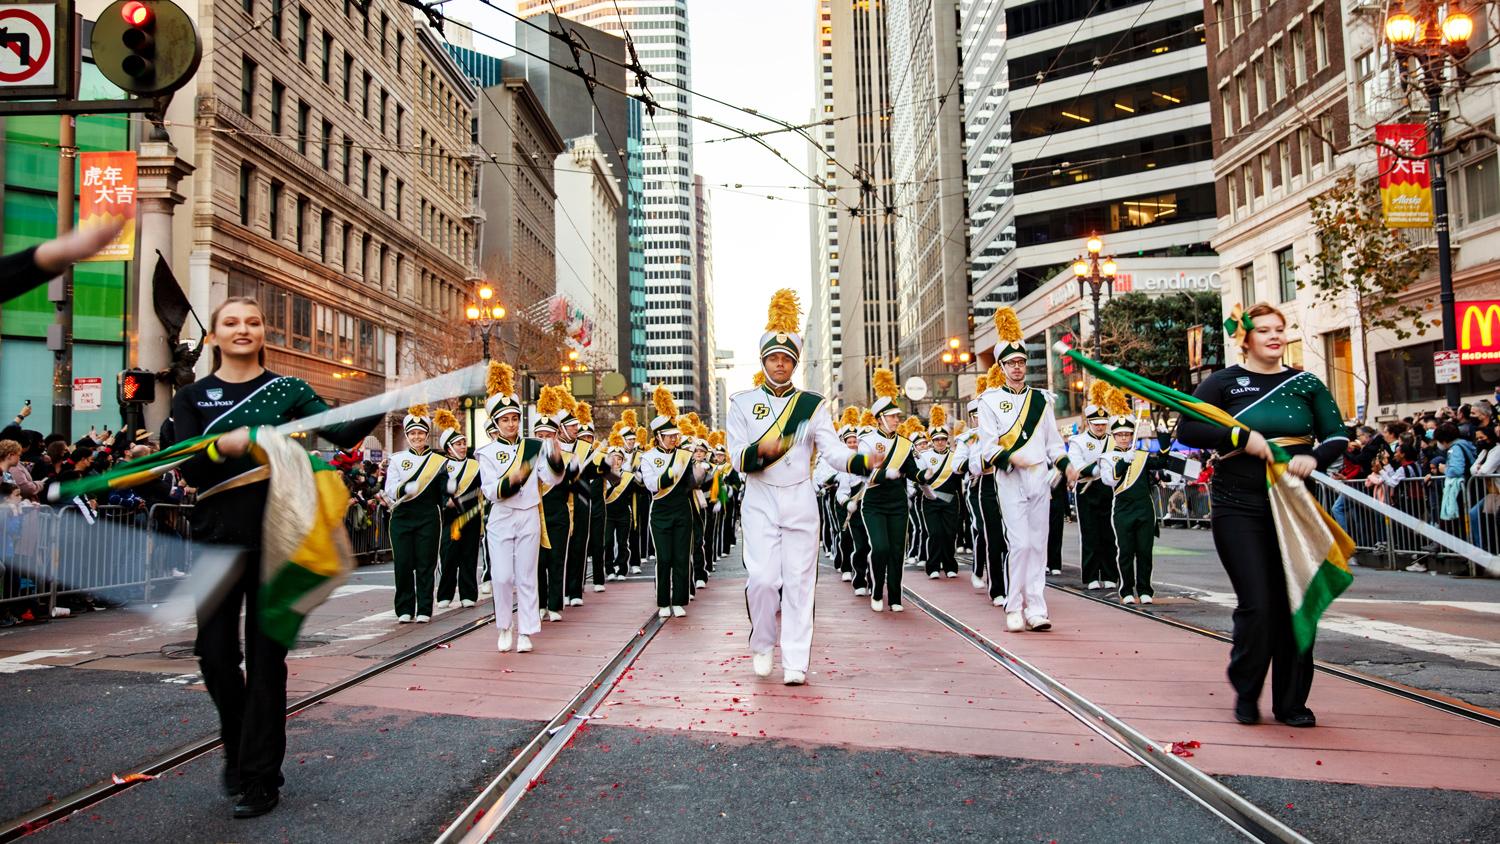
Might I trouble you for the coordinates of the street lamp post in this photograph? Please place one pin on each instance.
(1097, 273)
(1434, 44)
(484, 315)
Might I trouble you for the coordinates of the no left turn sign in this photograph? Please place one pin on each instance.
(27, 35)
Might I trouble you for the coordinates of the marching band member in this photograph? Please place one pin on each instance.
(580, 470)
(619, 506)
(883, 505)
(671, 476)
(512, 470)
(557, 521)
(773, 431)
(416, 494)
(1095, 531)
(1135, 526)
(993, 570)
(462, 517)
(944, 479)
(599, 552)
(698, 445)
(1019, 439)
(640, 501)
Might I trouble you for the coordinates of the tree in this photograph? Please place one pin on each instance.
(1148, 334)
(1364, 267)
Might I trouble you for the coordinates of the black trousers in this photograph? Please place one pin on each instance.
(672, 533)
(252, 702)
(700, 553)
(617, 532)
(994, 535)
(552, 562)
(1135, 535)
(644, 542)
(977, 542)
(415, 547)
(887, 542)
(599, 551)
(578, 548)
(1096, 533)
(942, 528)
(460, 560)
(1245, 538)
(1057, 515)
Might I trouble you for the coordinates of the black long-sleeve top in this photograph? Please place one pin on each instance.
(1290, 403)
(19, 273)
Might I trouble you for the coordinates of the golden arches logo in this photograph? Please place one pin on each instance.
(1485, 315)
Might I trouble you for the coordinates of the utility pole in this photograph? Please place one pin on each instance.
(60, 333)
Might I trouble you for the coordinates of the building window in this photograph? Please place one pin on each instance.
(385, 174)
(247, 185)
(1406, 375)
(325, 234)
(1258, 70)
(276, 20)
(248, 6)
(1481, 186)
(400, 194)
(385, 102)
(1299, 57)
(304, 32)
(325, 159)
(348, 75)
(278, 102)
(247, 86)
(1249, 296)
(364, 176)
(304, 116)
(274, 210)
(385, 23)
(348, 156)
(1284, 162)
(400, 54)
(348, 244)
(1286, 274)
(1278, 70)
(301, 221)
(400, 122)
(1219, 27)
(1242, 88)
(366, 89)
(1320, 40)
(327, 58)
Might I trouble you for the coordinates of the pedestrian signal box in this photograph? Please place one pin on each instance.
(137, 386)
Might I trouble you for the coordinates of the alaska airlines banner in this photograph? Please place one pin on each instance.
(1405, 177)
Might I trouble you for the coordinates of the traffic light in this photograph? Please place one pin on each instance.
(137, 386)
(146, 47)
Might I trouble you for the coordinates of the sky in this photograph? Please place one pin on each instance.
(756, 55)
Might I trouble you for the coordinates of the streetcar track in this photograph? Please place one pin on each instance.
(481, 819)
(42, 816)
(1220, 800)
(1451, 707)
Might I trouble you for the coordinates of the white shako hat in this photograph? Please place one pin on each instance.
(1008, 343)
(782, 329)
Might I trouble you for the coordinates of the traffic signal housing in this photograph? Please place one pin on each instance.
(137, 386)
(146, 47)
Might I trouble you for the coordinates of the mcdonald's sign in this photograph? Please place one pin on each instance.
(1479, 331)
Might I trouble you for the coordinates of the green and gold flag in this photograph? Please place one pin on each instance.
(1315, 551)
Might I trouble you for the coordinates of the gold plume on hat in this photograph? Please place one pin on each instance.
(500, 380)
(982, 384)
(694, 422)
(628, 419)
(1118, 402)
(642, 436)
(1007, 325)
(883, 382)
(585, 413)
(1099, 394)
(958, 427)
(914, 424)
(418, 410)
(996, 377)
(565, 398)
(444, 419)
(615, 440)
(850, 417)
(662, 399)
(939, 417)
(549, 402)
(784, 313)
(759, 378)
(866, 419)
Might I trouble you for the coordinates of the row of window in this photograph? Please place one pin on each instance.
(1285, 264)
(296, 322)
(1295, 156)
(1076, 223)
(1273, 75)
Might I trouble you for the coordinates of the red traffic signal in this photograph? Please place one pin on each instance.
(146, 47)
(137, 386)
(136, 13)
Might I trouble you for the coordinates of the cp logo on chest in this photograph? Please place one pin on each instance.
(761, 410)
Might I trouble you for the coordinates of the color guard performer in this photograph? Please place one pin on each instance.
(773, 433)
(512, 469)
(415, 485)
(1019, 439)
(463, 519)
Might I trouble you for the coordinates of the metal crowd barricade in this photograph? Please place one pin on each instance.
(28, 556)
(366, 524)
(1182, 504)
(1385, 544)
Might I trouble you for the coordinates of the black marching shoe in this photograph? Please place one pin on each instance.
(257, 800)
(1246, 711)
(1301, 718)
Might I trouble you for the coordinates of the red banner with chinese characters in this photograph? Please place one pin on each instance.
(106, 192)
(1405, 178)
(1478, 331)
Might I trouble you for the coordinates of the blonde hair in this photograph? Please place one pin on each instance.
(8, 448)
(213, 325)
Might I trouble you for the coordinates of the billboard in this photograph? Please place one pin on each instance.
(1478, 331)
(1405, 178)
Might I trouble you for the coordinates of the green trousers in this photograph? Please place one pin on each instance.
(887, 530)
(1135, 533)
(672, 536)
(415, 547)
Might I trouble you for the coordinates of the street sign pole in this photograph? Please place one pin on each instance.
(60, 338)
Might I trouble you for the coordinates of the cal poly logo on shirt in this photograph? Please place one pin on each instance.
(761, 410)
(214, 393)
(1006, 406)
(406, 464)
(660, 462)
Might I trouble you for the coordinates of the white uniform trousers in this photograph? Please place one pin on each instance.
(514, 538)
(1025, 498)
(781, 553)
